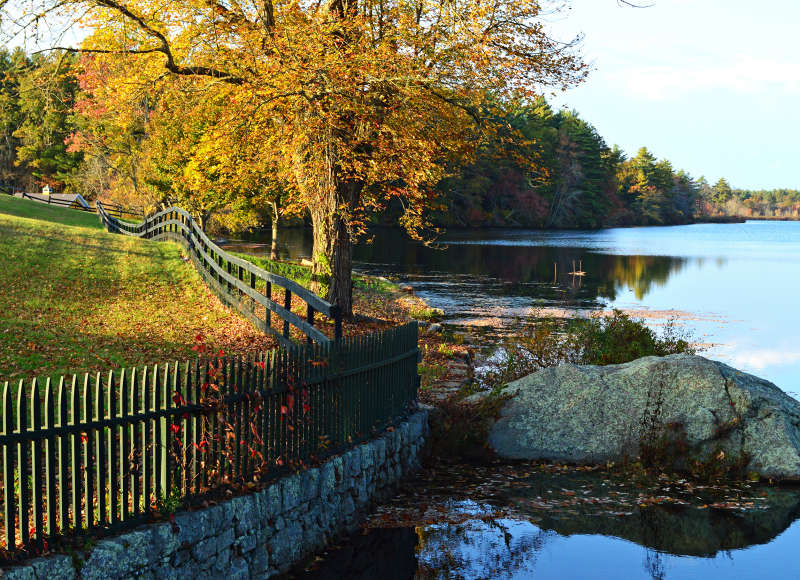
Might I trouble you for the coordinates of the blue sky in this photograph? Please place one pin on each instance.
(712, 85)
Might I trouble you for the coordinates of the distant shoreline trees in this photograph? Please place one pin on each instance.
(59, 126)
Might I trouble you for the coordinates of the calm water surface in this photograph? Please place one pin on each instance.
(732, 285)
(607, 536)
(735, 286)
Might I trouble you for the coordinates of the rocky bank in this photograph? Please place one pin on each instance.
(686, 407)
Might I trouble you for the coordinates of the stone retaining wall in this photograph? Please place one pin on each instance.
(257, 535)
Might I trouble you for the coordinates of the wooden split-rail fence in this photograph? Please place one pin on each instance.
(113, 209)
(102, 452)
(237, 282)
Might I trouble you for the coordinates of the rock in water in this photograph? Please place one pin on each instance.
(706, 409)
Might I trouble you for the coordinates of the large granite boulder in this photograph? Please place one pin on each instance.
(705, 409)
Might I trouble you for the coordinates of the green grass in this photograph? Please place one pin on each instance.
(76, 298)
(431, 373)
(302, 274)
(24, 208)
(298, 273)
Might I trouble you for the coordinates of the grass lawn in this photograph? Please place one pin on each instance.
(76, 298)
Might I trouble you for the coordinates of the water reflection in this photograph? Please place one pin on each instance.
(734, 285)
(382, 554)
(656, 542)
(528, 272)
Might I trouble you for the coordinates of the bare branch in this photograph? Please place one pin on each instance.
(97, 50)
(632, 5)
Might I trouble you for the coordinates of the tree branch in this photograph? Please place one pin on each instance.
(165, 48)
(97, 50)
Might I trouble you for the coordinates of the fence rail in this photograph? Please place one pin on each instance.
(113, 209)
(237, 282)
(105, 450)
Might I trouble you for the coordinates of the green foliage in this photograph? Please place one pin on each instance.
(619, 339)
(373, 284)
(721, 200)
(722, 191)
(424, 312)
(171, 502)
(583, 175)
(555, 170)
(615, 339)
(651, 193)
(430, 374)
(37, 95)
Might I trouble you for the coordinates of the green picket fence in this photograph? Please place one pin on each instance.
(104, 451)
(237, 282)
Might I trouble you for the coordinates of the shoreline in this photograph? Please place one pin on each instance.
(483, 228)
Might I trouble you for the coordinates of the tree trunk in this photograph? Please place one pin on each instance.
(273, 252)
(331, 200)
(333, 258)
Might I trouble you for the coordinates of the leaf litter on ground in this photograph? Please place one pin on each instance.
(437, 494)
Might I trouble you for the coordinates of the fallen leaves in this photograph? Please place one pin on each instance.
(554, 491)
(80, 299)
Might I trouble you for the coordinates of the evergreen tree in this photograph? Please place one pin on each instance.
(722, 191)
(47, 92)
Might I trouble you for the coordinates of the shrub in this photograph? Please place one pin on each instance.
(545, 342)
(620, 339)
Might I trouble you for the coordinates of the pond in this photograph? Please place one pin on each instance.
(516, 524)
(734, 286)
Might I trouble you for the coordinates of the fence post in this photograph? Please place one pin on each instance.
(8, 472)
(310, 320)
(337, 322)
(287, 304)
(23, 455)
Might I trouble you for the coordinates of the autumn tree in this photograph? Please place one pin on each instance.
(110, 124)
(361, 99)
(36, 99)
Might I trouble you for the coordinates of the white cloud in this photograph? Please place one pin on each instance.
(745, 76)
(761, 359)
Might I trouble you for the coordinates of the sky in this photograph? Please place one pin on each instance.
(711, 85)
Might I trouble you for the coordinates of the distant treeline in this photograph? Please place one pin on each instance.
(722, 200)
(562, 174)
(551, 169)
